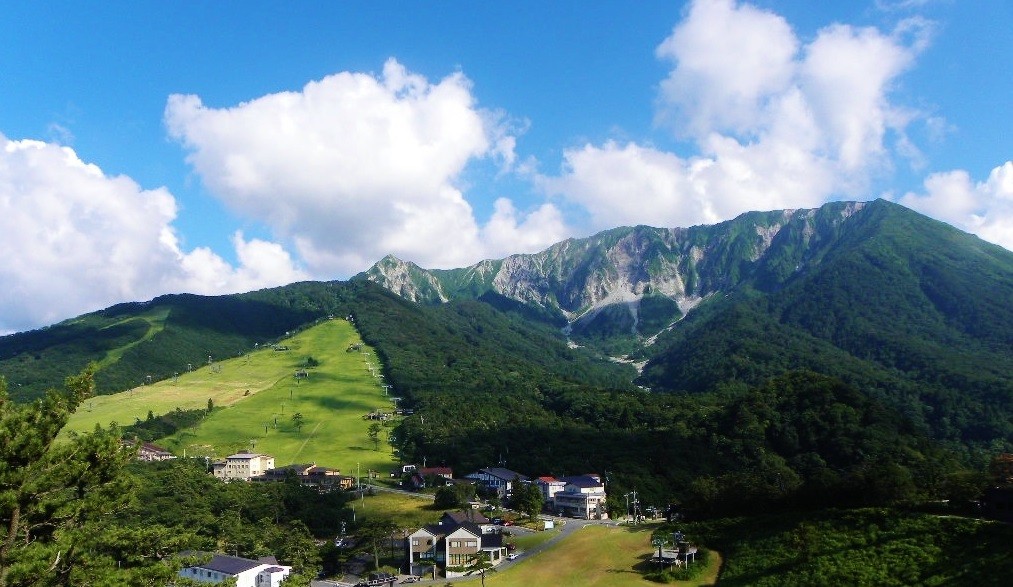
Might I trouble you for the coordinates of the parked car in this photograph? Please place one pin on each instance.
(513, 556)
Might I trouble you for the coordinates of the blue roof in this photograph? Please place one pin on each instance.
(582, 481)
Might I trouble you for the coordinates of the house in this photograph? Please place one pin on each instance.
(247, 573)
(149, 452)
(432, 477)
(453, 543)
(243, 466)
(469, 516)
(549, 487)
(582, 497)
(401, 469)
(322, 478)
(497, 479)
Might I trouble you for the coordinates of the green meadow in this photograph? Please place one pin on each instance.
(256, 396)
(595, 555)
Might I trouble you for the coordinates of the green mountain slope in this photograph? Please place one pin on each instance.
(133, 341)
(903, 307)
(909, 310)
(898, 314)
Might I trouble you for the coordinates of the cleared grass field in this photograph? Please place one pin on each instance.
(404, 510)
(593, 556)
(259, 393)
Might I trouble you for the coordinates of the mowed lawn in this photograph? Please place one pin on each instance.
(595, 555)
(259, 394)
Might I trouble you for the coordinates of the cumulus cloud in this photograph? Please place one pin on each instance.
(984, 208)
(776, 122)
(509, 232)
(356, 166)
(731, 60)
(79, 240)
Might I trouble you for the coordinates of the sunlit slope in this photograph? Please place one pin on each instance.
(332, 400)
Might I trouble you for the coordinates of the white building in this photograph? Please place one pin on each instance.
(549, 487)
(582, 497)
(243, 465)
(246, 572)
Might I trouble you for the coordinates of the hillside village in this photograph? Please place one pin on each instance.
(448, 547)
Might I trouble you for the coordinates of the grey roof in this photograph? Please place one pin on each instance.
(504, 474)
(469, 516)
(230, 565)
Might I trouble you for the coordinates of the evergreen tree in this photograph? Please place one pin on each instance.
(374, 434)
(57, 500)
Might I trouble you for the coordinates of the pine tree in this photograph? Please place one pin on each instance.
(57, 499)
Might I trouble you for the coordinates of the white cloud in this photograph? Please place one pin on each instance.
(984, 208)
(78, 241)
(353, 166)
(632, 184)
(508, 232)
(776, 122)
(731, 61)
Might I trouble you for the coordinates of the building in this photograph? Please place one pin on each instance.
(582, 497)
(497, 479)
(549, 487)
(243, 466)
(247, 573)
(322, 478)
(431, 477)
(453, 543)
(149, 452)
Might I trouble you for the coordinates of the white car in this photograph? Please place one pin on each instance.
(513, 556)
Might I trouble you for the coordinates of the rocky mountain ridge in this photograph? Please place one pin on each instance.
(615, 271)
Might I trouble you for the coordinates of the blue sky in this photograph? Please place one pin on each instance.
(152, 148)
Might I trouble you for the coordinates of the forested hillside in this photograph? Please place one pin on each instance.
(907, 310)
(853, 353)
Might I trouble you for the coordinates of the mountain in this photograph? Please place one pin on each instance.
(910, 310)
(134, 341)
(641, 278)
(853, 350)
(466, 345)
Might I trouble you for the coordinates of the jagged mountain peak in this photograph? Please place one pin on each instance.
(406, 279)
(639, 279)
